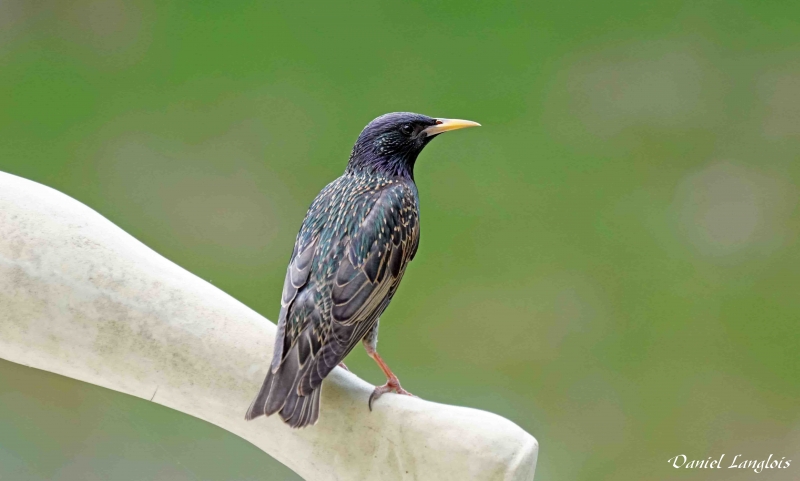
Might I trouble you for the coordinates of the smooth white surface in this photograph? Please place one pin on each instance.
(82, 298)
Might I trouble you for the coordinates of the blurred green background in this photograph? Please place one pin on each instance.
(611, 261)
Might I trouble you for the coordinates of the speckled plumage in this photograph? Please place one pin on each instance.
(357, 238)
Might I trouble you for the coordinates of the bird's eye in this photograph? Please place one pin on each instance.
(406, 129)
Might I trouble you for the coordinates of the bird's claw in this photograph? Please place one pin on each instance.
(390, 386)
(341, 365)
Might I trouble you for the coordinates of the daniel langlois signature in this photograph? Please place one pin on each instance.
(737, 462)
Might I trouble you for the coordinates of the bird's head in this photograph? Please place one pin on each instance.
(391, 143)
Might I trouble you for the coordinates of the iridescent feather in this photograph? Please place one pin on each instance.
(357, 238)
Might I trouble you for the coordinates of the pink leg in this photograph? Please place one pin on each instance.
(392, 383)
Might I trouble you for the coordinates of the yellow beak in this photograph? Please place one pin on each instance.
(444, 125)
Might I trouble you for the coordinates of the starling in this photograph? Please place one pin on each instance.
(356, 240)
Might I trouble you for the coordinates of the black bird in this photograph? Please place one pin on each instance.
(357, 238)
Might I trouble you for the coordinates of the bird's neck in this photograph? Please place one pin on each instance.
(367, 163)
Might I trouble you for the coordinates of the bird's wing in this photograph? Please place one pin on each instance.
(376, 256)
(334, 291)
(364, 282)
(297, 276)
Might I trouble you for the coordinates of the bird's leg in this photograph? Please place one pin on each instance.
(392, 383)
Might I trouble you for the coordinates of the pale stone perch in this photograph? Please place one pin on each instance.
(81, 298)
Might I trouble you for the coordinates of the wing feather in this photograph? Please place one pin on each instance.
(333, 294)
(368, 276)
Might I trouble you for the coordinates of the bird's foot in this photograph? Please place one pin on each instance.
(392, 385)
(341, 365)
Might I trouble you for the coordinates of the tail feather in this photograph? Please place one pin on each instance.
(314, 415)
(280, 393)
(259, 405)
(304, 409)
(289, 406)
(285, 381)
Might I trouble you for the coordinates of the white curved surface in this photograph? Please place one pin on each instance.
(82, 298)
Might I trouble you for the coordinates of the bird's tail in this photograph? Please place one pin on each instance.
(279, 393)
